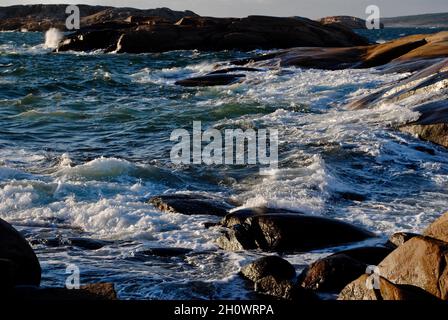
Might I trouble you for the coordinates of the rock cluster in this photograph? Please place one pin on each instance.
(415, 270)
(154, 34)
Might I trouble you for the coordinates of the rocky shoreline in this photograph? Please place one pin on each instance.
(406, 267)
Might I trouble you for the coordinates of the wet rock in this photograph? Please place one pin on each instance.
(240, 215)
(438, 229)
(368, 255)
(211, 80)
(208, 225)
(82, 243)
(227, 70)
(333, 273)
(284, 289)
(190, 204)
(358, 290)
(425, 150)
(419, 262)
(397, 239)
(216, 34)
(289, 232)
(88, 244)
(90, 292)
(15, 251)
(352, 196)
(404, 54)
(273, 266)
(165, 252)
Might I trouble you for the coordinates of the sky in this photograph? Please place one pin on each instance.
(241, 8)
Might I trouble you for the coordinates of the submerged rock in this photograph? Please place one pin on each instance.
(18, 258)
(211, 80)
(190, 204)
(165, 252)
(289, 232)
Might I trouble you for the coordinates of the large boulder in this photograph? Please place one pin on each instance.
(332, 273)
(438, 229)
(18, 256)
(216, 34)
(290, 232)
(419, 262)
(284, 289)
(360, 290)
(269, 266)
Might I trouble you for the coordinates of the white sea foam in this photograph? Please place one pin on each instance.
(52, 38)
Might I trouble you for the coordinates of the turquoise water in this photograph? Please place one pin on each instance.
(85, 141)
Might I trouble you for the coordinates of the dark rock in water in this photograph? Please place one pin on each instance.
(352, 196)
(284, 289)
(211, 80)
(216, 34)
(288, 232)
(239, 216)
(273, 266)
(358, 290)
(425, 150)
(16, 250)
(82, 243)
(88, 244)
(397, 239)
(333, 273)
(227, 70)
(190, 204)
(91, 40)
(208, 225)
(165, 252)
(90, 292)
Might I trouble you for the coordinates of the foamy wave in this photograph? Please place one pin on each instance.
(52, 38)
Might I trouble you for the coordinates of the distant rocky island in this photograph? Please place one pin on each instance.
(41, 17)
(431, 20)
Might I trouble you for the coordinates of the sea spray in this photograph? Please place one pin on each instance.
(52, 38)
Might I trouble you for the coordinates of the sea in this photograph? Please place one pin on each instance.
(85, 142)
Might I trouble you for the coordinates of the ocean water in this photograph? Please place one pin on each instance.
(85, 141)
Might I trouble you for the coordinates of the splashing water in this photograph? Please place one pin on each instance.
(52, 38)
